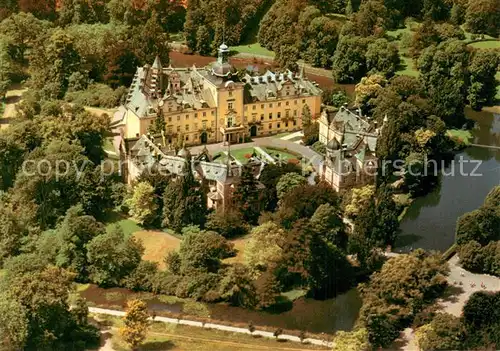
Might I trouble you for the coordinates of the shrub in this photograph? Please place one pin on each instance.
(141, 279)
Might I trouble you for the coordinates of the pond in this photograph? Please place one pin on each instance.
(430, 221)
(313, 316)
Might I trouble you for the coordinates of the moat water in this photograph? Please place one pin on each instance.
(431, 220)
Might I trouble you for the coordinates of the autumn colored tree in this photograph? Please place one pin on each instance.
(142, 205)
(136, 323)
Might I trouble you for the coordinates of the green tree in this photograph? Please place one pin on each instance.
(445, 76)
(74, 232)
(263, 248)
(237, 287)
(203, 250)
(287, 57)
(444, 332)
(246, 195)
(142, 205)
(150, 41)
(370, 19)
(359, 200)
(228, 223)
(382, 57)
(287, 182)
(54, 63)
(184, 202)
(480, 225)
(24, 31)
(327, 223)
(349, 60)
(483, 85)
(112, 257)
(13, 324)
(136, 323)
(482, 17)
(203, 40)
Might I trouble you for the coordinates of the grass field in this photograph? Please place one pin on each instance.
(157, 245)
(463, 136)
(128, 226)
(489, 44)
(407, 67)
(283, 155)
(253, 49)
(239, 154)
(162, 336)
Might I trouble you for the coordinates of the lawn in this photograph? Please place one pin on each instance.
(488, 44)
(163, 336)
(157, 245)
(239, 245)
(281, 154)
(253, 49)
(460, 135)
(128, 226)
(407, 67)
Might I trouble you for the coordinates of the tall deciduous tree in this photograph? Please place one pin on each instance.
(483, 84)
(482, 17)
(142, 205)
(112, 257)
(136, 323)
(246, 195)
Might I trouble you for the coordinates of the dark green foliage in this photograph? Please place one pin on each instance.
(482, 320)
(303, 201)
(382, 57)
(349, 60)
(159, 180)
(184, 202)
(334, 97)
(445, 76)
(392, 298)
(229, 224)
(142, 277)
(97, 95)
(483, 85)
(42, 291)
(203, 250)
(480, 225)
(82, 11)
(327, 223)
(445, 332)
(112, 257)
(237, 287)
(73, 233)
(269, 178)
(246, 196)
(482, 17)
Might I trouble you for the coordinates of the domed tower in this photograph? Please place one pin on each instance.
(222, 68)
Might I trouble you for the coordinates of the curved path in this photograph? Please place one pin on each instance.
(314, 158)
(216, 326)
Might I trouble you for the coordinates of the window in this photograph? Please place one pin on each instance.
(270, 105)
(261, 117)
(204, 124)
(204, 114)
(196, 115)
(279, 104)
(295, 102)
(279, 125)
(254, 107)
(287, 113)
(279, 114)
(170, 129)
(294, 123)
(295, 113)
(213, 113)
(229, 122)
(230, 105)
(212, 124)
(187, 127)
(178, 118)
(230, 93)
(187, 117)
(178, 129)
(286, 124)
(195, 126)
(262, 106)
(170, 109)
(303, 101)
(187, 137)
(287, 103)
(270, 116)
(170, 119)
(287, 93)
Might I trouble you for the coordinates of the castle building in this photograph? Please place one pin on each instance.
(351, 142)
(211, 104)
(220, 176)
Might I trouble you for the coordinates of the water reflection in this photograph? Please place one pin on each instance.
(430, 221)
